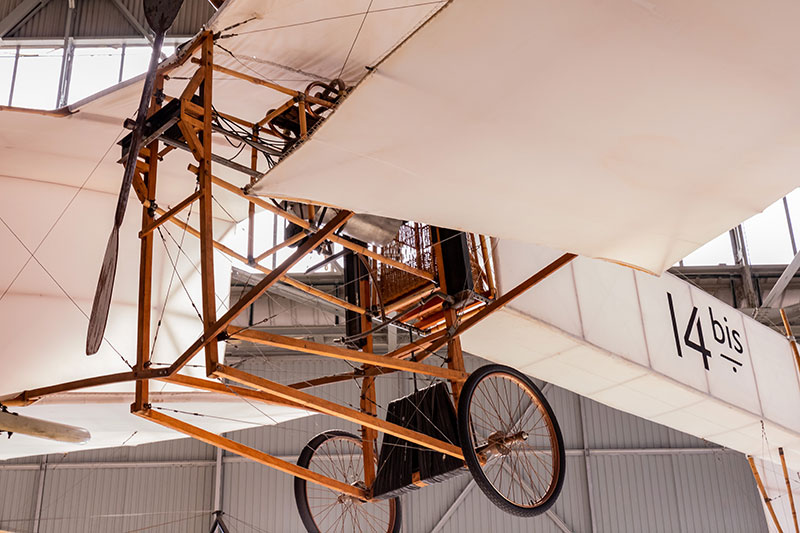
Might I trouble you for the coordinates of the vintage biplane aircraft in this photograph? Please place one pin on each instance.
(405, 137)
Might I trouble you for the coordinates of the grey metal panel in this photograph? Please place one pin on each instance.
(717, 493)
(476, 514)
(101, 500)
(565, 405)
(7, 6)
(171, 450)
(101, 18)
(18, 502)
(423, 508)
(48, 21)
(686, 493)
(609, 428)
(634, 494)
(257, 498)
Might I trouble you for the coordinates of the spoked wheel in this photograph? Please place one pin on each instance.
(511, 441)
(338, 454)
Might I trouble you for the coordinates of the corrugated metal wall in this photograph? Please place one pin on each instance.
(632, 483)
(101, 18)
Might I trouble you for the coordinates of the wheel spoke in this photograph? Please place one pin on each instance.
(341, 457)
(509, 419)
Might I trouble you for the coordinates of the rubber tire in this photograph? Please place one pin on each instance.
(471, 458)
(301, 496)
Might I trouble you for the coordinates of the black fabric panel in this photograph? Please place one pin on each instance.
(429, 411)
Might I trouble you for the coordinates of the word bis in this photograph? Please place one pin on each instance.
(723, 334)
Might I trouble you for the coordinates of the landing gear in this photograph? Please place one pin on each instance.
(511, 441)
(338, 454)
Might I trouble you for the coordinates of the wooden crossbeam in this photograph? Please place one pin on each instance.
(213, 330)
(169, 214)
(300, 345)
(339, 411)
(251, 453)
(286, 279)
(229, 390)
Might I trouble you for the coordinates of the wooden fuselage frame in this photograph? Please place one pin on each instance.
(196, 126)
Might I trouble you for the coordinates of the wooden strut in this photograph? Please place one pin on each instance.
(792, 342)
(368, 400)
(213, 330)
(789, 490)
(230, 390)
(209, 302)
(346, 243)
(331, 408)
(28, 397)
(763, 491)
(251, 453)
(153, 224)
(428, 345)
(270, 85)
(286, 279)
(299, 345)
(144, 299)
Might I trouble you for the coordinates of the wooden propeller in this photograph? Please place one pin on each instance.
(160, 15)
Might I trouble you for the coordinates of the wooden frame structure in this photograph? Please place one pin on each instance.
(444, 322)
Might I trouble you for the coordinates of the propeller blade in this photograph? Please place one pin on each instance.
(43, 429)
(160, 14)
(102, 295)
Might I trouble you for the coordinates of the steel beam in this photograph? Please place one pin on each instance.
(20, 15)
(133, 21)
(37, 513)
(453, 507)
(782, 283)
(557, 521)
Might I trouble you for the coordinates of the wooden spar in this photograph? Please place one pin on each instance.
(307, 226)
(213, 331)
(503, 300)
(230, 390)
(792, 341)
(455, 357)
(29, 396)
(286, 279)
(190, 89)
(257, 201)
(288, 242)
(334, 409)
(251, 453)
(414, 297)
(140, 189)
(185, 53)
(789, 490)
(299, 345)
(436, 319)
(368, 400)
(378, 257)
(487, 266)
(763, 491)
(269, 85)
(417, 345)
(153, 224)
(275, 112)
(338, 378)
(301, 113)
(144, 299)
(207, 209)
(251, 209)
